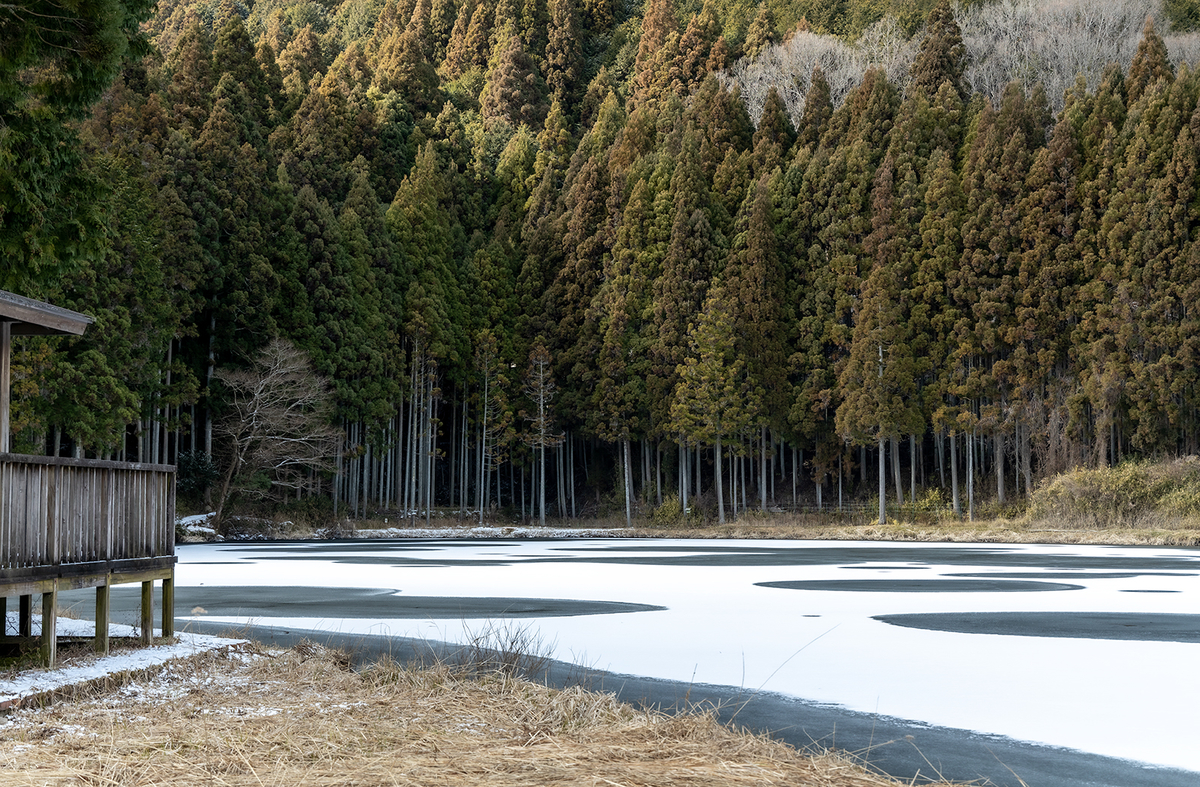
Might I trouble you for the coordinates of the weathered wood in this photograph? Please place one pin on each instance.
(168, 608)
(102, 613)
(50, 627)
(5, 381)
(38, 318)
(59, 510)
(147, 613)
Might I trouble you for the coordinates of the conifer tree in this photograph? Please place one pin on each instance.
(761, 33)
(942, 56)
(695, 253)
(655, 70)
(696, 47)
(1150, 63)
(564, 52)
(714, 398)
(514, 91)
(775, 135)
(818, 108)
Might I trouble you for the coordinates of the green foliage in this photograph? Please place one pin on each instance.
(669, 514)
(195, 472)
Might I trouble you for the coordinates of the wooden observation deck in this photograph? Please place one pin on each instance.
(76, 523)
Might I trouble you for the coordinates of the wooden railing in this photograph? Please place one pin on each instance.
(58, 514)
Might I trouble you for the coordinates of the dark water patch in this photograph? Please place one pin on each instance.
(920, 585)
(310, 602)
(1142, 627)
(1133, 590)
(1072, 574)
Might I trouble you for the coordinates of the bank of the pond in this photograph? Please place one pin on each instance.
(304, 715)
(754, 525)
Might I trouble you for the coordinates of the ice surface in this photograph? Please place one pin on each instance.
(1127, 699)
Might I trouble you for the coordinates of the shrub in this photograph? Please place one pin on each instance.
(1135, 493)
(669, 514)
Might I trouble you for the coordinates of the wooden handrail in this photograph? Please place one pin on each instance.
(57, 511)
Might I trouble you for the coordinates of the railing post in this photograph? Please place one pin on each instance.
(102, 602)
(50, 625)
(147, 613)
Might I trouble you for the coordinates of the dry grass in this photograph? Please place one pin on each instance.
(302, 717)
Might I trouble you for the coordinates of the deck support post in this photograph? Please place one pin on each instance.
(3, 616)
(102, 608)
(168, 606)
(50, 626)
(147, 612)
(25, 617)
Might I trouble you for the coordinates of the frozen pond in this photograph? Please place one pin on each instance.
(1088, 648)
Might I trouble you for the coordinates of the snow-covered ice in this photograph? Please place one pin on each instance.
(1123, 698)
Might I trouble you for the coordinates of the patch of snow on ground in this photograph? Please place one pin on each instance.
(31, 682)
(198, 524)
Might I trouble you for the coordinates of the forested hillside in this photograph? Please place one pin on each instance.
(721, 248)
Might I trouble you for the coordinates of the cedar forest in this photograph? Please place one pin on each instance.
(579, 247)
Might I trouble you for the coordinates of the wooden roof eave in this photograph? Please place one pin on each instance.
(28, 317)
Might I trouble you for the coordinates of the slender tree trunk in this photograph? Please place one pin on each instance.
(1026, 450)
(627, 482)
(571, 467)
(895, 446)
(658, 472)
(841, 476)
(882, 490)
(912, 468)
(954, 474)
(720, 486)
(999, 447)
(762, 470)
(795, 475)
(733, 483)
(684, 475)
(560, 462)
(970, 477)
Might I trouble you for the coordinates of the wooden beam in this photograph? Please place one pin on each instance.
(40, 318)
(49, 627)
(102, 607)
(5, 383)
(168, 606)
(147, 612)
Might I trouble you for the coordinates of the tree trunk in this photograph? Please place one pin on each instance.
(762, 470)
(970, 477)
(895, 445)
(882, 490)
(627, 482)
(720, 486)
(999, 448)
(912, 468)
(954, 474)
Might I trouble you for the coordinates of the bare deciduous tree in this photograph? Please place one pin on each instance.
(278, 426)
(1050, 43)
